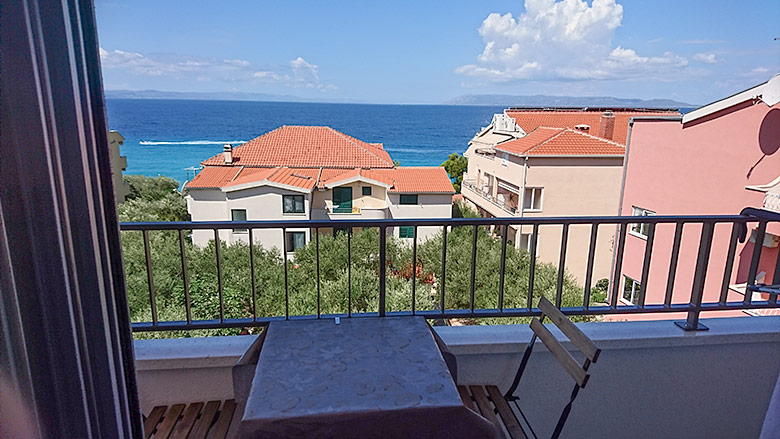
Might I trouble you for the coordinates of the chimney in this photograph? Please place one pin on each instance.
(607, 125)
(227, 154)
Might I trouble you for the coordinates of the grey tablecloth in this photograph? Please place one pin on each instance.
(366, 377)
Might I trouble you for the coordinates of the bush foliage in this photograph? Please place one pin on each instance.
(343, 287)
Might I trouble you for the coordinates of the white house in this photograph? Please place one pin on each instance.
(308, 172)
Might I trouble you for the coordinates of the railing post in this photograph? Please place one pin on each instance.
(702, 262)
(382, 268)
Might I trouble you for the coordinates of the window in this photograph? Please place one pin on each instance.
(367, 190)
(533, 198)
(630, 290)
(504, 159)
(525, 242)
(292, 204)
(406, 232)
(295, 240)
(342, 199)
(238, 215)
(641, 229)
(408, 198)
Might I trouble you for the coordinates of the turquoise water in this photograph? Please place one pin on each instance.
(164, 137)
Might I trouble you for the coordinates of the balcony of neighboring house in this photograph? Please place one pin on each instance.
(500, 199)
(688, 372)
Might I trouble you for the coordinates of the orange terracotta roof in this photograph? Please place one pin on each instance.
(408, 179)
(305, 178)
(400, 180)
(563, 142)
(215, 177)
(531, 119)
(307, 147)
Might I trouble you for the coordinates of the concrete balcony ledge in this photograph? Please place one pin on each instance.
(190, 353)
(508, 339)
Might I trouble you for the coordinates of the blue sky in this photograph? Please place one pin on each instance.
(694, 51)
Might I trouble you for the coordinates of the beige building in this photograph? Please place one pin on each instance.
(303, 173)
(118, 164)
(552, 162)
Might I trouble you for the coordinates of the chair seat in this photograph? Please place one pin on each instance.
(196, 420)
(488, 401)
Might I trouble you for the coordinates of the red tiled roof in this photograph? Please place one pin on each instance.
(214, 177)
(530, 120)
(433, 179)
(407, 179)
(400, 180)
(307, 147)
(564, 142)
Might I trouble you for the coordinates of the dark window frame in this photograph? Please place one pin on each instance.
(289, 238)
(366, 192)
(404, 199)
(294, 198)
(233, 218)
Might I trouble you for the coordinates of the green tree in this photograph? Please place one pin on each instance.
(347, 280)
(153, 199)
(456, 165)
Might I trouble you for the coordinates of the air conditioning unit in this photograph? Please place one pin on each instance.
(770, 240)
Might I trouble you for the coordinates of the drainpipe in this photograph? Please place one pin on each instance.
(522, 195)
(619, 212)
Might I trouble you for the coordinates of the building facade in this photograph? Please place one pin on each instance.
(303, 173)
(552, 162)
(716, 159)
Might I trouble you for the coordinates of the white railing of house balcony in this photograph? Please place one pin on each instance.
(739, 225)
(487, 196)
(772, 202)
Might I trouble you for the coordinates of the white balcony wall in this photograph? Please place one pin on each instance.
(428, 206)
(652, 379)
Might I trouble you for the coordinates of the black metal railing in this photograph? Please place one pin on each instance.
(740, 224)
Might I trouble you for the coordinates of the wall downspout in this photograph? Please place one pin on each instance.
(522, 198)
(620, 208)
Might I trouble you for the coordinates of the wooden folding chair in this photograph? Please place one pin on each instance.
(490, 401)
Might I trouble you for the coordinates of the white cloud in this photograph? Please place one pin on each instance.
(707, 58)
(564, 40)
(299, 73)
(760, 70)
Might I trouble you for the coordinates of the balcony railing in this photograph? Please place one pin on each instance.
(479, 191)
(695, 305)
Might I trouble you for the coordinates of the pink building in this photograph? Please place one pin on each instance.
(717, 159)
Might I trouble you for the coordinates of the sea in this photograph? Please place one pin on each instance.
(171, 137)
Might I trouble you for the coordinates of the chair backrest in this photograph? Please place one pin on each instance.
(578, 372)
(581, 341)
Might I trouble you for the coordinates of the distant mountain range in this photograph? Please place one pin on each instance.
(212, 96)
(490, 99)
(564, 101)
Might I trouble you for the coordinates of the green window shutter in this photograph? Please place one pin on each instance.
(406, 232)
(342, 199)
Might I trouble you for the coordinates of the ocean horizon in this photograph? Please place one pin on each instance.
(167, 136)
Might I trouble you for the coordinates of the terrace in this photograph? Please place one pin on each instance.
(71, 368)
(648, 370)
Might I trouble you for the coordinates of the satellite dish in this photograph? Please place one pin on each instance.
(771, 94)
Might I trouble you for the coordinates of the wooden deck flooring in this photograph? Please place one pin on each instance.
(197, 420)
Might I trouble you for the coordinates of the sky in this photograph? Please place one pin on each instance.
(417, 52)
